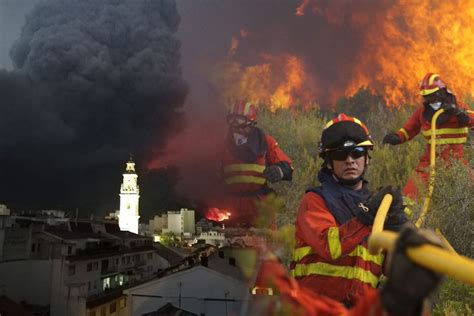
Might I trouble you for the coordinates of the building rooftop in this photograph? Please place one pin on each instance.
(67, 234)
(10, 308)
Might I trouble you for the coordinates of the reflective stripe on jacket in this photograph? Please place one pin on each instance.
(332, 258)
(242, 176)
(450, 135)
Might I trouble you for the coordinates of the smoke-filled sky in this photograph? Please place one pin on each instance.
(90, 81)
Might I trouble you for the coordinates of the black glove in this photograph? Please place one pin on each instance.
(408, 284)
(448, 107)
(273, 174)
(392, 139)
(462, 117)
(395, 216)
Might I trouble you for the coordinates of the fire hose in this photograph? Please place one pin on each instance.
(431, 257)
(431, 180)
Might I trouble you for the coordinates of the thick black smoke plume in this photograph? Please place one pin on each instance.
(93, 82)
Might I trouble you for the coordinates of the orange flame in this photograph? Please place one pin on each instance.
(217, 215)
(405, 40)
(280, 81)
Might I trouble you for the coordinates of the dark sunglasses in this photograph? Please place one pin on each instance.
(342, 154)
(238, 121)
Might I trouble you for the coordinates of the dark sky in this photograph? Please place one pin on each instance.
(89, 83)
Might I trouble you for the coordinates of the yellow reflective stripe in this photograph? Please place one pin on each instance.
(444, 131)
(247, 108)
(244, 167)
(365, 143)
(447, 141)
(359, 251)
(404, 132)
(326, 269)
(245, 179)
(334, 243)
(301, 252)
(364, 253)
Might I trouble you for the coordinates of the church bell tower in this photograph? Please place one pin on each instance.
(129, 195)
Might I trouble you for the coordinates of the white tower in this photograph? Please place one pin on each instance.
(129, 195)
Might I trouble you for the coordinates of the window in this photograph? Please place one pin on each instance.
(72, 270)
(103, 311)
(149, 268)
(33, 247)
(105, 284)
(117, 262)
(69, 250)
(95, 285)
(149, 255)
(89, 286)
(123, 260)
(128, 259)
(95, 265)
(113, 308)
(89, 267)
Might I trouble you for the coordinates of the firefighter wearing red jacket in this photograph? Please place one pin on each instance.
(452, 128)
(334, 220)
(404, 294)
(251, 159)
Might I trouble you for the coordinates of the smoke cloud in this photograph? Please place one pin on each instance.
(92, 82)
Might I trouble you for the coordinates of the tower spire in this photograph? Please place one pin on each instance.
(129, 196)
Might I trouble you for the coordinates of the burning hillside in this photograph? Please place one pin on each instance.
(318, 51)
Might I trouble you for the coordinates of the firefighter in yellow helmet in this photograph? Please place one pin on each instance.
(334, 220)
(451, 129)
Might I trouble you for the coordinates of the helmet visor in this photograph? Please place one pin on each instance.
(342, 154)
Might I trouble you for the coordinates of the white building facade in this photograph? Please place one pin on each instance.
(181, 222)
(129, 195)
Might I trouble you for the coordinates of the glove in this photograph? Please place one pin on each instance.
(408, 284)
(448, 106)
(462, 117)
(395, 216)
(392, 139)
(273, 174)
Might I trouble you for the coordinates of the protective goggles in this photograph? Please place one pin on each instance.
(238, 121)
(342, 154)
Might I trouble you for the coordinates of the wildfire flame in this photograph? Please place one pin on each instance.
(217, 215)
(280, 81)
(405, 40)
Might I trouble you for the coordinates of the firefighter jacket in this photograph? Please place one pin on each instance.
(451, 135)
(450, 138)
(243, 171)
(331, 256)
(292, 299)
(243, 165)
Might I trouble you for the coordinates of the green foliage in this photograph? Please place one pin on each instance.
(169, 239)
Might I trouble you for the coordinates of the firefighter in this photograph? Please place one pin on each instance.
(334, 220)
(452, 128)
(404, 293)
(251, 159)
